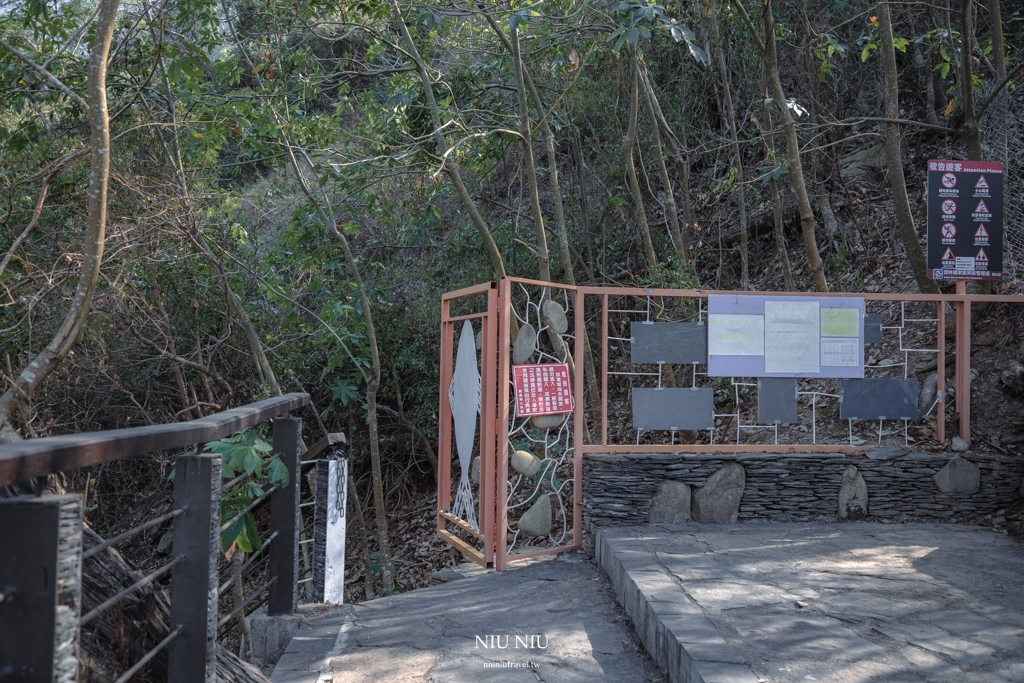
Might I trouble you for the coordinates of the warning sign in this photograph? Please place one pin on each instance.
(542, 389)
(965, 246)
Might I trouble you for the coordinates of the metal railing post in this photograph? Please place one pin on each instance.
(284, 520)
(192, 656)
(40, 588)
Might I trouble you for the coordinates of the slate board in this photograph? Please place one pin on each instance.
(872, 329)
(878, 398)
(669, 343)
(776, 400)
(673, 409)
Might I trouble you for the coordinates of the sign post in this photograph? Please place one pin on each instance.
(965, 242)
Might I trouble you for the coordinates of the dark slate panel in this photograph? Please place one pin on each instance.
(878, 398)
(776, 400)
(669, 343)
(673, 409)
(872, 329)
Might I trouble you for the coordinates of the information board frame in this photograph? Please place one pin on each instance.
(730, 365)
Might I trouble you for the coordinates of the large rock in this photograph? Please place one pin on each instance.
(525, 462)
(526, 343)
(555, 316)
(853, 495)
(959, 445)
(671, 504)
(474, 470)
(537, 520)
(548, 421)
(959, 476)
(718, 501)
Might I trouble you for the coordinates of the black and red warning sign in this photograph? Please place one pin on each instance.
(965, 220)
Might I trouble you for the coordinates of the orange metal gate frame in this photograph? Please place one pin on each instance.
(495, 368)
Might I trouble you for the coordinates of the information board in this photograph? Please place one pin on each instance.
(542, 389)
(965, 220)
(785, 336)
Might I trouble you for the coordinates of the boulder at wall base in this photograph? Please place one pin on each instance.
(853, 495)
(526, 343)
(537, 520)
(718, 501)
(959, 477)
(474, 470)
(671, 504)
(959, 445)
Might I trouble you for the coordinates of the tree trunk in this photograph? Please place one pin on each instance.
(682, 164)
(999, 59)
(972, 131)
(671, 212)
(543, 260)
(807, 223)
(777, 214)
(927, 78)
(737, 151)
(451, 169)
(50, 357)
(628, 143)
(894, 157)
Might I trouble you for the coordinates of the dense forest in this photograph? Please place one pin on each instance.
(208, 203)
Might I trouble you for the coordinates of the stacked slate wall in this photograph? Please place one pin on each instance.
(617, 489)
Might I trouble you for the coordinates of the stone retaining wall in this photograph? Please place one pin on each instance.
(618, 489)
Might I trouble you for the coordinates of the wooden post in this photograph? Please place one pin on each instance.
(329, 531)
(192, 656)
(40, 588)
(940, 415)
(284, 519)
(963, 362)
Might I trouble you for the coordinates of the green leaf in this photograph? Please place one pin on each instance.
(252, 463)
(277, 473)
(244, 544)
(251, 533)
(229, 535)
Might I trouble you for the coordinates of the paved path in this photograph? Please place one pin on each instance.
(452, 633)
(847, 603)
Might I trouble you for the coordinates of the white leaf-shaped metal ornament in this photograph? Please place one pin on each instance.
(464, 398)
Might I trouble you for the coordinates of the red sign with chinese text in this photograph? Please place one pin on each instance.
(542, 389)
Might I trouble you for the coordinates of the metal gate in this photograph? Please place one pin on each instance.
(476, 420)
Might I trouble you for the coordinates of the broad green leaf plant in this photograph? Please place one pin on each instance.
(246, 452)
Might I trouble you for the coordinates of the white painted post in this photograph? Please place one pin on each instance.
(329, 530)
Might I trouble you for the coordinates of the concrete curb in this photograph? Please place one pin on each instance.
(673, 628)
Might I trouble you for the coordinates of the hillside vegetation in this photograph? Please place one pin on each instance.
(272, 196)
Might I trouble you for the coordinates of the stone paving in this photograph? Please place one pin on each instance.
(563, 610)
(749, 603)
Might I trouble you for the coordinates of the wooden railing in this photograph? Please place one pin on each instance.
(41, 544)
